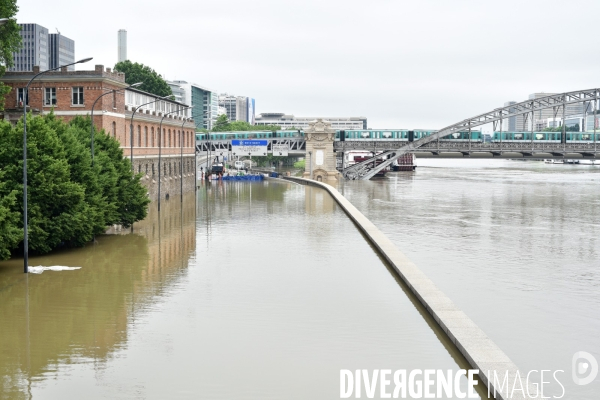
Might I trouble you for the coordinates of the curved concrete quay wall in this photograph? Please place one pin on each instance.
(479, 350)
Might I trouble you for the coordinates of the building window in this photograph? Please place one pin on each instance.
(114, 129)
(20, 92)
(50, 96)
(77, 96)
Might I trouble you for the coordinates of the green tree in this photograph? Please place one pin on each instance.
(10, 232)
(57, 210)
(300, 164)
(222, 124)
(152, 81)
(69, 200)
(10, 42)
(123, 193)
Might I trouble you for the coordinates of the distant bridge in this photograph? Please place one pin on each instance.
(432, 143)
(558, 102)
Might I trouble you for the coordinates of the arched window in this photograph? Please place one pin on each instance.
(169, 144)
(114, 129)
(146, 137)
(139, 136)
(152, 139)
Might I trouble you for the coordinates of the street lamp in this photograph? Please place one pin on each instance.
(181, 155)
(131, 125)
(25, 96)
(92, 113)
(195, 153)
(160, 150)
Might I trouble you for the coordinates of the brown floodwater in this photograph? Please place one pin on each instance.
(260, 290)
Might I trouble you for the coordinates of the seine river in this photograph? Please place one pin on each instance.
(267, 290)
(516, 245)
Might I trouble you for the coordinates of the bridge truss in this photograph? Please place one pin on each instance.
(295, 145)
(558, 102)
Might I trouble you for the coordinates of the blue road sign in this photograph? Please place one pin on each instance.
(249, 142)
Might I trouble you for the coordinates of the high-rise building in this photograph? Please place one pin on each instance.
(238, 108)
(510, 123)
(62, 51)
(204, 102)
(122, 45)
(42, 49)
(518, 123)
(34, 51)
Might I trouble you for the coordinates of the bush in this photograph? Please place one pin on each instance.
(69, 200)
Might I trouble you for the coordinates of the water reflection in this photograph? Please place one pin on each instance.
(62, 318)
(258, 290)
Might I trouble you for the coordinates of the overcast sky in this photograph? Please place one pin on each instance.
(401, 64)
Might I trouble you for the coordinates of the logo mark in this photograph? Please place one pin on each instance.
(584, 364)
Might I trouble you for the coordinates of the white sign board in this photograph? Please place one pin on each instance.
(319, 160)
(249, 147)
(281, 150)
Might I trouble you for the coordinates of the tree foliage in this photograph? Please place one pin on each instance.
(224, 125)
(152, 81)
(574, 128)
(69, 199)
(10, 41)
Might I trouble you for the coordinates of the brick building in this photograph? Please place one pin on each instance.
(72, 93)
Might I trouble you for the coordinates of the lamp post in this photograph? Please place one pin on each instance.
(181, 156)
(92, 113)
(195, 153)
(25, 96)
(131, 126)
(160, 149)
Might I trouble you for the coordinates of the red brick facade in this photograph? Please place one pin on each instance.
(110, 111)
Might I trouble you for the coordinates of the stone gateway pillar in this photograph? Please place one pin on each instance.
(320, 159)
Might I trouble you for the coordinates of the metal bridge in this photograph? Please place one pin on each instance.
(297, 146)
(558, 102)
(391, 150)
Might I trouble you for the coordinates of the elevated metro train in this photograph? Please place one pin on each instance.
(366, 134)
(548, 137)
(401, 135)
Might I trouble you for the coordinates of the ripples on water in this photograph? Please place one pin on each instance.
(261, 291)
(515, 244)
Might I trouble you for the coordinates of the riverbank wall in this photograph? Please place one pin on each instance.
(174, 173)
